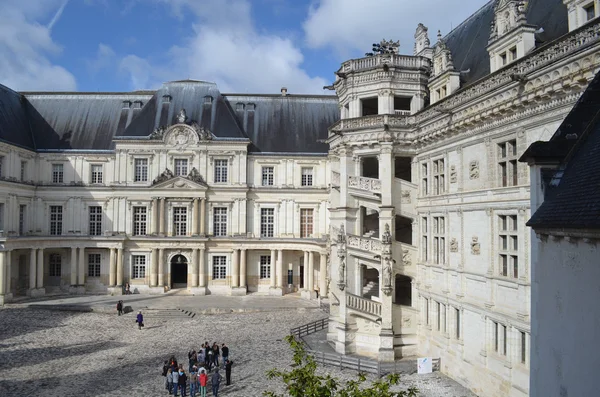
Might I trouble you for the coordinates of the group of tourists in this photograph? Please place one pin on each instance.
(200, 364)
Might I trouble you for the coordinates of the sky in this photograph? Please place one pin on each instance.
(245, 46)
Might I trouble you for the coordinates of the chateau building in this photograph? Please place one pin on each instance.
(400, 198)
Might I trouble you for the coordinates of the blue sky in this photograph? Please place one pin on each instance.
(242, 45)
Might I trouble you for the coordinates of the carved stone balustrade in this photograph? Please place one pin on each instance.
(363, 305)
(363, 183)
(391, 60)
(374, 122)
(364, 243)
(402, 112)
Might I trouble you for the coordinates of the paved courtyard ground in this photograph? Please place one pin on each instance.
(72, 353)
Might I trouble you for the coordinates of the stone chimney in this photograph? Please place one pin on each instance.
(284, 91)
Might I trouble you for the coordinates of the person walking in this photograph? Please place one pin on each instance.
(170, 381)
(140, 320)
(216, 381)
(182, 381)
(193, 381)
(175, 373)
(228, 365)
(203, 379)
(224, 352)
(120, 307)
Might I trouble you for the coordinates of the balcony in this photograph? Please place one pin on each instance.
(402, 112)
(365, 184)
(391, 60)
(363, 243)
(376, 122)
(363, 305)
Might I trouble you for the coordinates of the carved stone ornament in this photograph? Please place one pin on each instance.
(203, 133)
(405, 197)
(406, 257)
(453, 174)
(165, 176)
(453, 245)
(181, 116)
(387, 275)
(341, 253)
(195, 176)
(386, 238)
(475, 246)
(474, 169)
(158, 133)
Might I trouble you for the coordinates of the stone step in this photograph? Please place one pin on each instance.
(168, 314)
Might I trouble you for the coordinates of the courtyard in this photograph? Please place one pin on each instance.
(77, 353)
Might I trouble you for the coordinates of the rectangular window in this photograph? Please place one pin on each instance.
(503, 59)
(220, 221)
(139, 266)
(439, 315)
(424, 179)
(95, 220)
(140, 173)
(290, 277)
(220, 171)
(424, 241)
(93, 265)
(267, 222)
(181, 167)
(457, 317)
(23, 170)
(54, 265)
(590, 12)
(500, 338)
(179, 221)
(496, 336)
(513, 53)
(439, 239)
(307, 176)
(523, 337)
(96, 173)
(426, 311)
(22, 209)
(507, 162)
(1, 216)
(267, 176)
(265, 266)
(140, 217)
(508, 247)
(219, 267)
(306, 222)
(56, 215)
(58, 174)
(439, 177)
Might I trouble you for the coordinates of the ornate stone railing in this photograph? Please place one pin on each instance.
(363, 243)
(376, 121)
(392, 60)
(402, 112)
(363, 183)
(335, 178)
(363, 305)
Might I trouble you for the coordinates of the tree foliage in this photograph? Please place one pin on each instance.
(303, 381)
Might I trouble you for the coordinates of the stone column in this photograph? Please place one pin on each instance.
(120, 267)
(32, 268)
(73, 266)
(2, 272)
(40, 268)
(195, 218)
(305, 285)
(280, 274)
(161, 267)
(235, 275)
(243, 268)
(8, 272)
(311, 271)
(203, 217)
(154, 267)
(112, 278)
(202, 270)
(81, 266)
(155, 212)
(161, 217)
(386, 174)
(323, 275)
(195, 269)
(273, 273)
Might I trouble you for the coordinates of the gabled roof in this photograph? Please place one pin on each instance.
(574, 201)
(15, 114)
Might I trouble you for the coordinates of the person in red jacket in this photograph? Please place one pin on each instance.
(203, 381)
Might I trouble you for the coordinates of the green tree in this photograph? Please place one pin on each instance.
(303, 381)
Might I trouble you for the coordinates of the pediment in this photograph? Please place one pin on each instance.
(179, 182)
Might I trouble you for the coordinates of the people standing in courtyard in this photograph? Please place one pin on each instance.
(203, 379)
(140, 320)
(170, 381)
(175, 381)
(201, 359)
(165, 371)
(216, 381)
(127, 289)
(215, 354)
(209, 358)
(193, 381)
(228, 365)
(182, 382)
(120, 307)
(224, 352)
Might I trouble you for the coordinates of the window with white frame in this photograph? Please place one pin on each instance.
(267, 222)
(507, 163)
(307, 176)
(95, 220)
(139, 266)
(508, 247)
(1, 216)
(56, 218)
(94, 265)
(424, 239)
(220, 171)
(438, 176)
(23, 170)
(267, 176)
(589, 11)
(265, 266)
(96, 173)
(424, 179)
(219, 267)
(181, 167)
(439, 240)
(58, 173)
(140, 221)
(54, 265)
(500, 340)
(306, 222)
(457, 320)
(140, 172)
(22, 218)
(220, 221)
(179, 221)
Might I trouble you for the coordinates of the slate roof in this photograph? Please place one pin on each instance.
(574, 200)
(15, 115)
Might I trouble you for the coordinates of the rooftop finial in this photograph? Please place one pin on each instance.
(181, 116)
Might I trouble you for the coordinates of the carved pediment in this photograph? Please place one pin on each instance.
(179, 182)
(181, 135)
(508, 14)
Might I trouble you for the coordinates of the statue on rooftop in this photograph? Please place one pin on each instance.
(181, 117)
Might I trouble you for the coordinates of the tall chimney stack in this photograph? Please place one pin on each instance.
(283, 91)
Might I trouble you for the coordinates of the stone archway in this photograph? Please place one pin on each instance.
(179, 271)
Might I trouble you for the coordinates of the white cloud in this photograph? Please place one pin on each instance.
(105, 56)
(226, 47)
(26, 45)
(347, 26)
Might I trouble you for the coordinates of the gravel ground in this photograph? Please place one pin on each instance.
(56, 353)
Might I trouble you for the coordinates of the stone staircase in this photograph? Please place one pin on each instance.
(370, 289)
(166, 315)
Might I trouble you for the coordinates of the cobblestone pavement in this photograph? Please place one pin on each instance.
(60, 353)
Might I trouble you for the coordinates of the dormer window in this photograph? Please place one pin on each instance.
(581, 12)
(590, 11)
(239, 107)
(208, 100)
(503, 59)
(513, 53)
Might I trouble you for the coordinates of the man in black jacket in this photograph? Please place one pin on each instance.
(228, 365)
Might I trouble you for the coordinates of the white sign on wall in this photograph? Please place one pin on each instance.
(424, 365)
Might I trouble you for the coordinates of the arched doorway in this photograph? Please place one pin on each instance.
(179, 271)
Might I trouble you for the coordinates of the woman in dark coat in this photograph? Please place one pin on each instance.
(140, 320)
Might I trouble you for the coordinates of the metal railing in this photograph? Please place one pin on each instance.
(363, 305)
(310, 328)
